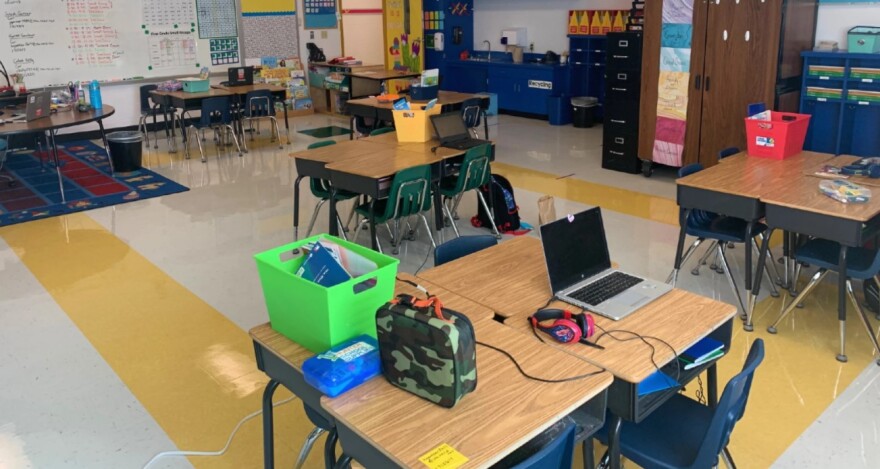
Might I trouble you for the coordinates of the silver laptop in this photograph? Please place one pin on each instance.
(576, 252)
(39, 105)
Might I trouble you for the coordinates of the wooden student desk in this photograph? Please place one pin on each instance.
(797, 206)
(49, 127)
(371, 108)
(735, 188)
(380, 425)
(678, 318)
(384, 148)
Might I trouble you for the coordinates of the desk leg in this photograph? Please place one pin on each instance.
(679, 249)
(750, 303)
(351, 127)
(756, 288)
(712, 385)
(786, 255)
(57, 164)
(107, 147)
(296, 208)
(841, 301)
(268, 426)
(286, 125)
(373, 239)
(438, 207)
(614, 441)
(330, 448)
(486, 124)
(332, 227)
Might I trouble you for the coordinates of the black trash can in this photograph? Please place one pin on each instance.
(583, 111)
(126, 150)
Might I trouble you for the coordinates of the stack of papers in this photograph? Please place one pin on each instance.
(706, 350)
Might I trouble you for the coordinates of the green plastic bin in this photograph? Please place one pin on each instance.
(864, 39)
(318, 317)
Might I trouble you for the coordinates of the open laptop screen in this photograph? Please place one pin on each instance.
(449, 126)
(575, 248)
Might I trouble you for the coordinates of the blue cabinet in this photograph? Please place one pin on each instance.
(464, 78)
(841, 92)
(587, 65)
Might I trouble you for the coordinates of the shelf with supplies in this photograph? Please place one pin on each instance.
(846, 124)
(587, 63)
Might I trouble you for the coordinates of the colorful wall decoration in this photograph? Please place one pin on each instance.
(675, 65)
(268, 7)
(319, 14)
(403, 35)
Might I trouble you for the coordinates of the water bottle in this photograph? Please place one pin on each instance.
(95, 94)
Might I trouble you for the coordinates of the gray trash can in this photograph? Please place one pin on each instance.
(583, 111)
(126, 150)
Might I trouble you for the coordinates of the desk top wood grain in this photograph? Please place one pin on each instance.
(839, 162)
(480, 426)
(55, 120)
(245, 89)
(443, 98)
(381, 75)
(679, 317)
(750, 176)
(183, 95)
(802, 193)
(341, 151)
(384, 162)
(291, 352)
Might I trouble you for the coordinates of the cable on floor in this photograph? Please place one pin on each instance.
(221, 451)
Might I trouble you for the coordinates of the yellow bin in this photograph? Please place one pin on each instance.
(415, 125)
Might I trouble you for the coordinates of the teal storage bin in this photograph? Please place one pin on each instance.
(319, 317)
(864, 39)
(195, 85)
(493, 103)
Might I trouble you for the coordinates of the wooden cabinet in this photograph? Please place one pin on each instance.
(742, 52)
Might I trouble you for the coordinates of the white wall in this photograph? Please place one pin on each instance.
(835, 20)
(546, 20)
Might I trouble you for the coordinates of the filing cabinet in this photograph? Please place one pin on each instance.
(620, 139)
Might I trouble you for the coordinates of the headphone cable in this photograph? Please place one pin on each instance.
(535, 378)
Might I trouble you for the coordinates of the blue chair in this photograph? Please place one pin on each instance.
(460, 247)
(682, 433)
(259, 105)
(729, 151)
(151, 108)
(472, 115)
(555, 454)
(861, 264)
(722, 230)
(216, 114)
(382, 131)
(321, 425)
(321, 190)
(4, 148)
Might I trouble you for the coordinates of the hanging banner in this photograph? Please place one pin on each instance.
(403, 38)
(268, 7)
(672, 96)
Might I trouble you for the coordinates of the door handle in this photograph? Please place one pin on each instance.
(697, 82)
(707, 83)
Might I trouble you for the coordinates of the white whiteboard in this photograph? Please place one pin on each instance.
(53, 42)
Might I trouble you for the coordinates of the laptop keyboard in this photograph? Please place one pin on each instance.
(604, 288)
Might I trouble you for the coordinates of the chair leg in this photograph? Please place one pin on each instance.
(307, 446)
(769, 277)
(817, 277)
(341, 227)
(234, 139)
(314, 216)
(587, 454)
(705, 258)
(864, 318)
(877, 281)
(360, 227)
(728, 459)
(451, 220)
(489, 213)
(350, 216)
(673, 276)
(277, 132)
(428, 230)
(730, 278)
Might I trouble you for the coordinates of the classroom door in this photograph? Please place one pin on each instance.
(362, 35)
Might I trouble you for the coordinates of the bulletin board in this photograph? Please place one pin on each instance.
(404, 48)
(319, 14)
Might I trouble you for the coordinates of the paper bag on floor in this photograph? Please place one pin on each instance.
(546, 210)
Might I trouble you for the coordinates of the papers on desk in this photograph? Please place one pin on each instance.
(706, 350)
(329, 264)
(658, 381)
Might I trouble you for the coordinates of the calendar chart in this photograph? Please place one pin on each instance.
(162, 13)
(224, 51)
(319, 14)
(217, 18)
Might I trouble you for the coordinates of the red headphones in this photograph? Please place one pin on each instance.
(567, 327)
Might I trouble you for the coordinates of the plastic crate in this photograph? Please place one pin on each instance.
(779, 137)
(415, 125)
(319, 317)
(195, 85)
(863, 39)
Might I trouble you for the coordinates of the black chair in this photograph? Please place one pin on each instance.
(683, 433)
(217, 116)
(151, 108)
(259, 105)
(473, 115)
(462, 246)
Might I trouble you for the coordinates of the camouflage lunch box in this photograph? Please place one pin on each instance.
(426, 349)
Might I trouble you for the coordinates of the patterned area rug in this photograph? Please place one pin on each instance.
(87, 184)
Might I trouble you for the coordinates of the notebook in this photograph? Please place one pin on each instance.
(579, 267)
(452, 132)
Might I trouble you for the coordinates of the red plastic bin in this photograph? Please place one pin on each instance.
(780, 137)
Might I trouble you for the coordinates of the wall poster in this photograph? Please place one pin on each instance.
(672, 96)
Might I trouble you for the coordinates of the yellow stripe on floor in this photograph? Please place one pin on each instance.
(633, 203)
(189, 366)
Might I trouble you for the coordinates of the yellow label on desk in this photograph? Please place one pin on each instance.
(443, 457)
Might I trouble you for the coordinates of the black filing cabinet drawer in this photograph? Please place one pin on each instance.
(624, 114)
(618, 94)
(624, 51)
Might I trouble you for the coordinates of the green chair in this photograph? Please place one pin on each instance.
(475, 172)
(321, 190)
(410, 195)
(383, 130)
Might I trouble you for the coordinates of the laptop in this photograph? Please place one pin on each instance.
(452, 132)
(576, 252)
(240, 76)
(39, 105)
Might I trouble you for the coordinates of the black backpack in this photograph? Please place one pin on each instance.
(504, 208)
(872, 295)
